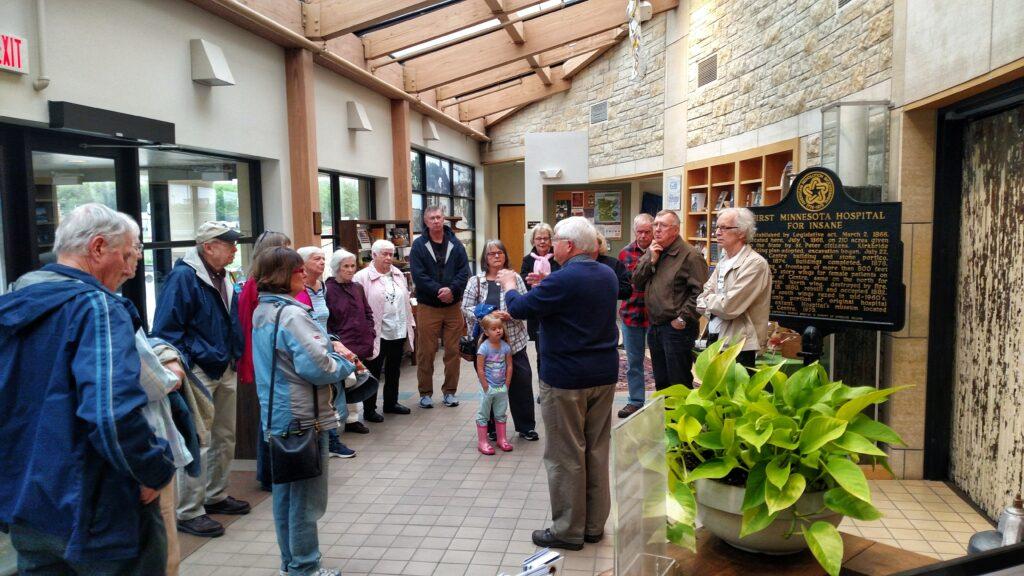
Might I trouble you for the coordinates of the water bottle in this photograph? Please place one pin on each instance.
(1011, 522)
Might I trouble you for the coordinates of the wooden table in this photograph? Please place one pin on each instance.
(861, 557)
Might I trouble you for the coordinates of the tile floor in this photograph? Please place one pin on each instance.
(419, 500)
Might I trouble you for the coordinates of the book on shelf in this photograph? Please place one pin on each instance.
(702, 230)
(365, 242)
(698, 201)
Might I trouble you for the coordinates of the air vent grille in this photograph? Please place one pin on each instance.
(707, 70)
(842, 4)
(599, 112)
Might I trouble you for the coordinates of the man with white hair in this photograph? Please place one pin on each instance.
(82, 467)
(671, 274)
(196, 313)
(633, 313)
(737, 297)
(580, 365)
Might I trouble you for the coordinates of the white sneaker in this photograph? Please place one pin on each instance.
(327, 572)
(450, 400)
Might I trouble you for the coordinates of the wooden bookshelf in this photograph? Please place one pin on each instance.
(749, 178)
(357, 236)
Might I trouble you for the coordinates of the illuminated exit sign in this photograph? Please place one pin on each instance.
(12, 54)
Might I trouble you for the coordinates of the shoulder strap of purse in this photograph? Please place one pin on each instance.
(273, 368)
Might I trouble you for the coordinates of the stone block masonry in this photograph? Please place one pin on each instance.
(779, 58)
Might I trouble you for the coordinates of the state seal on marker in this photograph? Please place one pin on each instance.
(815, 191)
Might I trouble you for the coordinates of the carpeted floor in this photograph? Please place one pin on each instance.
(244, 487)
(622, 385)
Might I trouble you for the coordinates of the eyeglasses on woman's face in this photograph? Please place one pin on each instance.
(495, 254)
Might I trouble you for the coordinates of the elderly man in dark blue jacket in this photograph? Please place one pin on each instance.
(81, 465)
(196, 313)
(578, 369)
(440, 270)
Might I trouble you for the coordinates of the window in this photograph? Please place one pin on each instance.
(441, 182)
(180, 191)
(342, 197)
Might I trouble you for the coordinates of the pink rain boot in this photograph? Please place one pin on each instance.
(499, 428)
(481, 441)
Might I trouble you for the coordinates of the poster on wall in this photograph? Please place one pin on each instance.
(608, 207)
(578, 199)
(674, 197)
(561, 210)
(610, 231)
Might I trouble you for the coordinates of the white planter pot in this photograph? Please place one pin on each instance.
(720, 511)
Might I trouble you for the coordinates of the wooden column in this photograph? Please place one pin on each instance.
(401, 146)
(302, 145)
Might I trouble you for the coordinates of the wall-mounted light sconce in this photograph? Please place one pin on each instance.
(429, 130)
(209, 67)
(358, 120)
(551, 173)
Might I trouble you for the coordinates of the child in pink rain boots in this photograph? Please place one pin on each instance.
(494, 368)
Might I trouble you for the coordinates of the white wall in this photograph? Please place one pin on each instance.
(548, 150)
(341, 149)
(505, 185)
(951, 44)
(133, 57)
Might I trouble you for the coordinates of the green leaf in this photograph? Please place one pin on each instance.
(710, 440)
(853, 407)
(822, 374)
(704, 359)
(873, 430)
(820, 430)
(683, 496)
(856, 443)
(714, 469)
(688, 428)
(783, 439)
(728, 433)
(849, 476)
(756, 439)
(760, 379)
(756, 519)
(810, 460)
(778, 470)
(682, 534)
(673, 391)
(780, 499)
(826, 544)
(797, 390)
(719, 371)
(738, 383)
(849, 392)
(671, 437)
(822, 394)
(839, 500)
(753, 494)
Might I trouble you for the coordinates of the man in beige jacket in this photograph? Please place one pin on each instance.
(737, 296)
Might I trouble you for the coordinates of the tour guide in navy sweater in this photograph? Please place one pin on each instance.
(578, 369)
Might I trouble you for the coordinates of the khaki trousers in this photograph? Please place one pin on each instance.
(433, 323)
(212, 485)
(577, 428)
(171, 526)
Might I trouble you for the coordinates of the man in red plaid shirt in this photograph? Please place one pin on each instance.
(634, 315)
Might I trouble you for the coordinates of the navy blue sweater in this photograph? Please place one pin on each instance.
(578, 337)
(426, 276)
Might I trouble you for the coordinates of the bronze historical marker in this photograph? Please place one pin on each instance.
(836, 263)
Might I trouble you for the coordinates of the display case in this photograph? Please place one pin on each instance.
(752, 178)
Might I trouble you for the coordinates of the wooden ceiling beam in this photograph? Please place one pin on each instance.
(544, 74)
(492, 119)
(326, 19)
(434, 25)
(530, 90)
(495, 49)
(520, 67)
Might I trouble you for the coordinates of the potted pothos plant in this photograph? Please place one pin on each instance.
(770, 462)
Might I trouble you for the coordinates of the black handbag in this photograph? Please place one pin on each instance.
(296, 455)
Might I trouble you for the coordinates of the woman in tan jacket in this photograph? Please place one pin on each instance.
(737, 297)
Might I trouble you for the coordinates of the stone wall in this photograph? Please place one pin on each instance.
(779, 58)
(635, 126)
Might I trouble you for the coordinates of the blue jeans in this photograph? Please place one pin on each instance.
(41, 553)
(635, 341)
(342, 408)
(297, 507)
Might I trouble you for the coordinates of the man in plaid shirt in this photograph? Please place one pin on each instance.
(634, 315)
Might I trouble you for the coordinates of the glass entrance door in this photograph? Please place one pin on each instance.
(63, 182)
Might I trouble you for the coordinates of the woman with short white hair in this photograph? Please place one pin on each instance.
(350, 320)
(394, 326)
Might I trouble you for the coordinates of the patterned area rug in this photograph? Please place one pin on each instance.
(622, 385)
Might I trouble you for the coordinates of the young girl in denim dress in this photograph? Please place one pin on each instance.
(494, 368)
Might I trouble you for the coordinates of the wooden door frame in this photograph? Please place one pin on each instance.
(949, 170)
(525, 227)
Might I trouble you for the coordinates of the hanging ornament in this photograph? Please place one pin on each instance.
(636, 49)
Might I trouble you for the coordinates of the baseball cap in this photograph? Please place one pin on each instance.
(217, 230)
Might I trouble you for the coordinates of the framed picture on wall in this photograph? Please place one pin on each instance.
(608, 207)
(674, 195)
